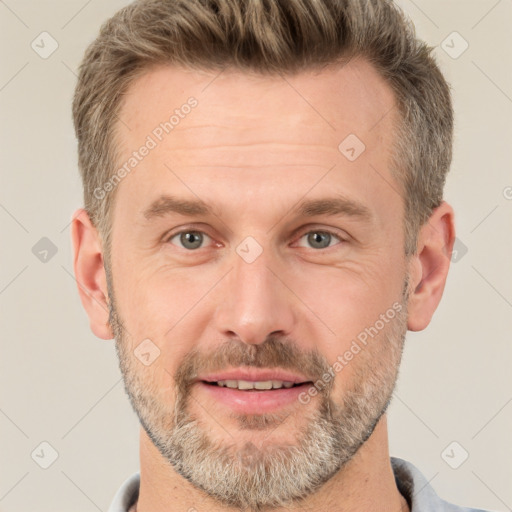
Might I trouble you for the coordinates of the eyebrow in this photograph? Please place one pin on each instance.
(166, 204)
(338, 205)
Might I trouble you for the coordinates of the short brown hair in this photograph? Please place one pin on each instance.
(267, 37)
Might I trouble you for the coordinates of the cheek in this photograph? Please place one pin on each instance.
(346, 323)
(349, 298)
(370, 360)
(153, 299)
(171, 309)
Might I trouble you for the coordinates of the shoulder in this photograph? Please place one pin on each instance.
(418, 492)
(126, 495)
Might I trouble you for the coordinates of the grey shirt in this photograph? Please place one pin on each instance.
(410, 482)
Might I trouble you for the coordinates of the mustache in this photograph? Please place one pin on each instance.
(274, 352)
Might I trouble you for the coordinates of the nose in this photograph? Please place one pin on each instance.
(253, 302)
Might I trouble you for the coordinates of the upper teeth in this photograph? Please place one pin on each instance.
(264, 384)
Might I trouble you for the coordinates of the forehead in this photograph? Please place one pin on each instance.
(346, 96)
(257, 132)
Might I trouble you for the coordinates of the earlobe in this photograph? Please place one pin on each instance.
(90, 273)
(429, 266)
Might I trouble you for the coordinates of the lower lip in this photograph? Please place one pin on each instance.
(255, 401)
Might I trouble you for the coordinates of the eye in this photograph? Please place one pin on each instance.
(319, 239)
(189, 239)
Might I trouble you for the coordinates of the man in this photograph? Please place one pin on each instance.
(263, 222)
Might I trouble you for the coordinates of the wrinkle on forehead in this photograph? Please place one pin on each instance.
(260, 139)
(239, 110)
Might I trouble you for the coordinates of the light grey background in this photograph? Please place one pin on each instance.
(61, 385)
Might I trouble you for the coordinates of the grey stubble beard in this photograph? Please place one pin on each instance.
(264, 476)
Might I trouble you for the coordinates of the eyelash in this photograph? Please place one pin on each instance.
(192, 230)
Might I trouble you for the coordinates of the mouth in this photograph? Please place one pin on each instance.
(252, 395)
(245, 385)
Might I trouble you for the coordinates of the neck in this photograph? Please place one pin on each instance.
(366, 483)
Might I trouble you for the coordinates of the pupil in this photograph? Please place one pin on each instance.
(191, 240)
(319, 240)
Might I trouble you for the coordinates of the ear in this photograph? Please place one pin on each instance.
(429, 266)
(90, 273)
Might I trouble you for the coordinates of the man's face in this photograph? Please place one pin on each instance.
(293, 253)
